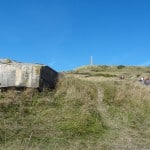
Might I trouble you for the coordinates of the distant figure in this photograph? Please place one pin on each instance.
(141, 79)
(122, 77)
(145, 81)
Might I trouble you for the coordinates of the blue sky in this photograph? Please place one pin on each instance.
(65, 33)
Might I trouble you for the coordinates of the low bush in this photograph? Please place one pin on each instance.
(121, 67)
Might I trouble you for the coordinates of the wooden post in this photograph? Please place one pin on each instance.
(91, 61)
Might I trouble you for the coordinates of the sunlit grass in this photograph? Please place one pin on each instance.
(95, 112)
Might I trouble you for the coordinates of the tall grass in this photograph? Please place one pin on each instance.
(78, 114)
(51, 120)
(78, 99)
(129, 109)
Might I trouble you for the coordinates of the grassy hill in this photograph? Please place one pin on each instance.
(91, 108)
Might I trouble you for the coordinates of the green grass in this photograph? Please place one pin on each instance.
(44, 120)
(79, 113)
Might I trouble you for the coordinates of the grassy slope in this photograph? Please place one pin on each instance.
(90, 109)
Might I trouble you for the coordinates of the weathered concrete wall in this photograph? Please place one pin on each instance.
(48, 77)
(13, 74)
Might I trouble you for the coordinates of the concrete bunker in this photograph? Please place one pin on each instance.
(25, 75)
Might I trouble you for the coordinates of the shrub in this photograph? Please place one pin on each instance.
(121, 67)
(138, 75)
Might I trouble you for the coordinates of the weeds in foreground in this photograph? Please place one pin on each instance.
(70, 117)
(51, 118)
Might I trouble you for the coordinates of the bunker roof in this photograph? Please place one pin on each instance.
(9, 61)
